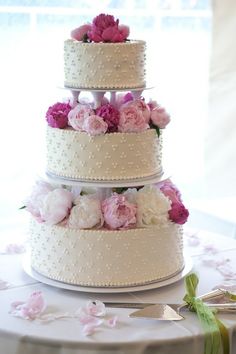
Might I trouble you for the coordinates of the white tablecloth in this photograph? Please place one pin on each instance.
(132, 336)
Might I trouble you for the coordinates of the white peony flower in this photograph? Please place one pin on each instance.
(131, 195)
(153, 207)
(86, 213)
(56, 205)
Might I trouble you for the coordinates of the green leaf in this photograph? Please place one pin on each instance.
(153, 126)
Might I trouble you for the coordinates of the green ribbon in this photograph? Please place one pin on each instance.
(216, 334)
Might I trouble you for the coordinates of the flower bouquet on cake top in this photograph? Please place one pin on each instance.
(104, 28)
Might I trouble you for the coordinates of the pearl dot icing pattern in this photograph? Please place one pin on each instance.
(104, 157)
(104, 65)
(106, 258)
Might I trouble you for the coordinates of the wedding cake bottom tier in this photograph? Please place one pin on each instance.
(105, 258)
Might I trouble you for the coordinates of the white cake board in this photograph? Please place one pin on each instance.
(188, 264)
(107, 89)
(107, 184)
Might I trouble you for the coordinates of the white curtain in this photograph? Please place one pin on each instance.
(221, 127)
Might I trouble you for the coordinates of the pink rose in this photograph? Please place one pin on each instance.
(95, 125)
(131, 120)
(110, 115)
(57, 115)
(77, 116)
(142, 107)
(118, 212)
(35, 201)
(106, 29)
(81, 33)
(160, 117)
(178, 213)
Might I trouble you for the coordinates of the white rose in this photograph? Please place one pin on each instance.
(86, 213)
(153, 207)
(56, 205)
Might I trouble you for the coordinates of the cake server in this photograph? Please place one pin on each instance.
(172, 313)
(215, 296)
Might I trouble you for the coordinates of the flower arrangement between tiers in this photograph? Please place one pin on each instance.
(104, 28)
(126, 114)
(112, 209)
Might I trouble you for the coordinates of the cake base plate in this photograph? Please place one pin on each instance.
(107, 184)
(108, 290)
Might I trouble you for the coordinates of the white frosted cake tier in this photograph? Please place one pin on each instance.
(104, 65)
(106, 258)
(114, 156)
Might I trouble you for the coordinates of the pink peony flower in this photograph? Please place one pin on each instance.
(160, 117)
(131, 120)
(106, 29)
(123, 98)
(81, 33)
(152, 104)
(178, 213)
(170, 191)
(78, 115)
(124, 31)
(110, 115)
(142, 107)
(35, 201)
(118, 212)
(57, 115)
(95, 125)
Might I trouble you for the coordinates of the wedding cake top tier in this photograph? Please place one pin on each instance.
(99, 56)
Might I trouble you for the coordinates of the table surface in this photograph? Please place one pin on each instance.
(214, 262)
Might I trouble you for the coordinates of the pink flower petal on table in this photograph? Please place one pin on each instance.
(227, 271)
(89, 329)
(31, 308)
(210, 248)
(14, 248)
(4, 284)
(85, 318)
(96, 308)
(111, 322)
(193, 239)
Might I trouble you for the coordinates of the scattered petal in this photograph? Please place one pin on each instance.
(96, 308)
(14, 248)
(210, 248)
(31, 309)
(193, 240)
(111, 322)
(85, 318)
(89, 329)
(4, 284)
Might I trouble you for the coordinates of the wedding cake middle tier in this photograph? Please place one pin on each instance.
(115, 156)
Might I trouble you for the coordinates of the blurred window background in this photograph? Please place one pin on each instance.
(178, 35)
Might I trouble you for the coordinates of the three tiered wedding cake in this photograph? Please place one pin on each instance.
(107, 218)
